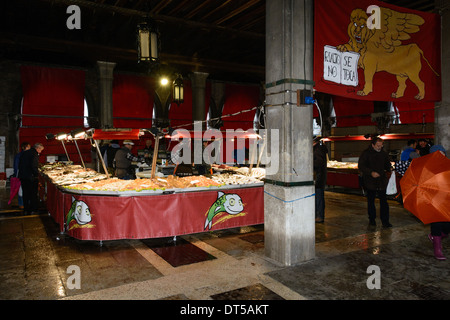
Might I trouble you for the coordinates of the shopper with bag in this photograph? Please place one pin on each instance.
(15, 181)
(373, 164)
(392, 185)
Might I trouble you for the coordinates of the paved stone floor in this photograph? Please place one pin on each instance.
(36, 261)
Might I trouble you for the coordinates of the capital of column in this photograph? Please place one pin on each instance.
(198, 79)
(105, 69)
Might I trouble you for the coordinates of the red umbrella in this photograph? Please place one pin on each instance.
(426, 188)
(14, 186)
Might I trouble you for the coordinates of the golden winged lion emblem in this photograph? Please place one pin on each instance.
(381, 49)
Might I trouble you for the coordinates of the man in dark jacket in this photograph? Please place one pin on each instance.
(123, 159)
(320, 177)
(28, 175)
(373, 164)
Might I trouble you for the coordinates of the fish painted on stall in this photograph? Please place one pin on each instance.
(79, 211)
(229, 203)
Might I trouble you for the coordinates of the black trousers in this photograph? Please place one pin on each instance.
(30, 194)
(384, 206)
(320, 203)
(437, 228)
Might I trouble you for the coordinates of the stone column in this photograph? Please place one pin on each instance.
(216, 103)
(105, 76)
(442, 111)
(289, 219)
(198, 80)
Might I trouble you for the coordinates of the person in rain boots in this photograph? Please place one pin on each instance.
(439, 230)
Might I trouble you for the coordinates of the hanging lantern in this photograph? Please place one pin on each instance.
(147, 37)
(178, 90)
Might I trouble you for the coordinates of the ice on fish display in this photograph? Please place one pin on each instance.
(74, 177)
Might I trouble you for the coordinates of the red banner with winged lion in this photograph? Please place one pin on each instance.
(366, 49)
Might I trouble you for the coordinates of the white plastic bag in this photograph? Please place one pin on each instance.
(392, 186)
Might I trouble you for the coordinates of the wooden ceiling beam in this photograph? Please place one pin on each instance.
(160, 6)
(94, 52)
(159, 17)
(237, 11)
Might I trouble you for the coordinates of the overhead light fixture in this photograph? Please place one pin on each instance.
(178, 90)
(148, 38)
(89, 133)
(49, 136)
(164, 81)
(77, 134)
(61, 136)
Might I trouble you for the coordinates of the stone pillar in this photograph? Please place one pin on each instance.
(442, 111)
(105, 76)
(289, 219)
(198, 80)
(216, 103)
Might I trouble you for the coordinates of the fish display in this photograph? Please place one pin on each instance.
(75, 177)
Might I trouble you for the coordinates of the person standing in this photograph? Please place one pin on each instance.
(148, 151)
(438, 230)
(23, 147)
(423, 147)
(29, 177)
(109, 155)
(123, 159)
(320, 177)
(149, 147)
(410, 152)
(373, 164)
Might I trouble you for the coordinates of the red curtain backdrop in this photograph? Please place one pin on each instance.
(239, 97)
(415, 112)
(181, 115)
(352, 112)
(133, 101)
(53, 102)
(332, 19)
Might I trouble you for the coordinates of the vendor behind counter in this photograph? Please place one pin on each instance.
(123, 161)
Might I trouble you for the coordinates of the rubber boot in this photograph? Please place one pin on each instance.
(437, 247)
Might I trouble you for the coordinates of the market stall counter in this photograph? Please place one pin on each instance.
(343, 174)
(99, 208)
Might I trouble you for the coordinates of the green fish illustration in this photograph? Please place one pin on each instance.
(229, 203)
(79, 211)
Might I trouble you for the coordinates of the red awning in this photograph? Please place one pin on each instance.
(178, 134)
(116, 134)
(388, 136)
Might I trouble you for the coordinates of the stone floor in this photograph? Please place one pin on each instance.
(36, 261)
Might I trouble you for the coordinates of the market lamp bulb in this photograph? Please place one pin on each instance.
(164, 81)
(77, 133)
(61, 136)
